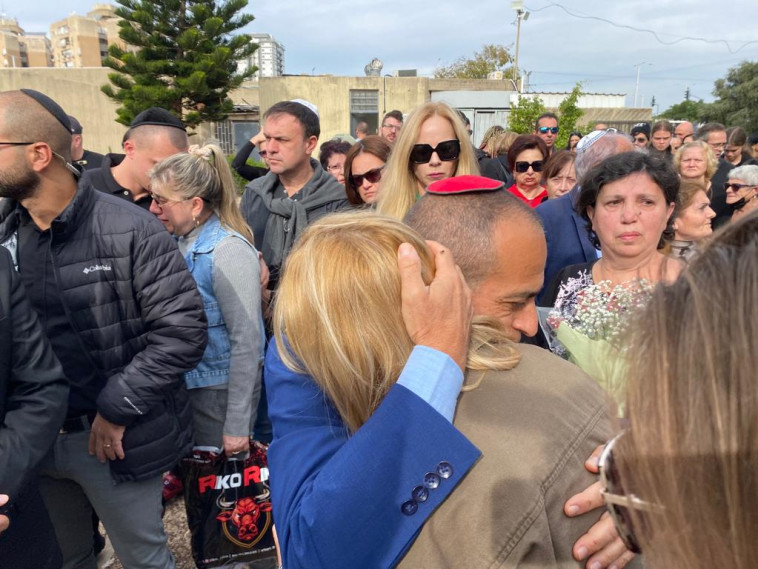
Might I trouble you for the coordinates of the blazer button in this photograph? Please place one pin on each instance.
(431, 480)
(409, 508)
(420, 494)
(445, 469)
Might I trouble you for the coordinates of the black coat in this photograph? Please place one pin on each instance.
(137, 312)
(33, 389)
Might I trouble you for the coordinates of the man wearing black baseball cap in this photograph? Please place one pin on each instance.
(153, 135)
(123, 316)
(81, 158)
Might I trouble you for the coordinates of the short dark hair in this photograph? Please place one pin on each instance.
(525, 142)
(547, 115)
(708, 128)
(618, 167)
(397, 115)
(330, 148)
(465, 223)
(306, 117)
(464, 119)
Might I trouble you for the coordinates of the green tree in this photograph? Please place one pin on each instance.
(687, 110)
(736, 95)
(184, 58)
(569, 114)
(491, 58)
(523, 116)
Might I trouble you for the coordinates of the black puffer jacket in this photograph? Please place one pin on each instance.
(137, 312)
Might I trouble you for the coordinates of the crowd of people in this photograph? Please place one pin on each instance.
(416, 325)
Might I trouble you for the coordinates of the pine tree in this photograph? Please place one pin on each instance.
(183, 57)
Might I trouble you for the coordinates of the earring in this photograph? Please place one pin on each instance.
(197, 223)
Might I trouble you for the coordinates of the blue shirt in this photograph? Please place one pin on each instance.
(435, 378)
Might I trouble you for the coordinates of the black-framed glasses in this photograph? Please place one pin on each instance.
(618, 501)
(736, 187)
(546, 129)
(522, 167)
(15, 143)
(447, 151)
(641, 139)
(371, 176)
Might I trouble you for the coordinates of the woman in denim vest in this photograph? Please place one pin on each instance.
(195, 198)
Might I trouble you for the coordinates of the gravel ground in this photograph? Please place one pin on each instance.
(175, 522)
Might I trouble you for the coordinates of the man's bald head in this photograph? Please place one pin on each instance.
(466, 224)
(23, 119)
(607, 144)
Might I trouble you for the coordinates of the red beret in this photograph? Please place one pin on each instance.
(464, 185)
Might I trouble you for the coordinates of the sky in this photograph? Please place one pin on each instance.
(340, 37)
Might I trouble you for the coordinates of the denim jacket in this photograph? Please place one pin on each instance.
(213, 369)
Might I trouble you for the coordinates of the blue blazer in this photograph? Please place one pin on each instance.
(345, 501)
(566, 234)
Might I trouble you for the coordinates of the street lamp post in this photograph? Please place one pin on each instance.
(637, 84)
(521, 14)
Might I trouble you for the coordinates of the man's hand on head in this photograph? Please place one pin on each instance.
(438, 315)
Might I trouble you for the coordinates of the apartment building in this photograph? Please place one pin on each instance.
(82, 41)
(268, 58)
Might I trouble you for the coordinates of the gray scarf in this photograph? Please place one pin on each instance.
(288, 218)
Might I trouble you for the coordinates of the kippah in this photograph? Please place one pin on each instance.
(76, 126)
(308, 105)
(157, 117)
(591, 138)
(464, 185)
(642, 127)
(50, 106)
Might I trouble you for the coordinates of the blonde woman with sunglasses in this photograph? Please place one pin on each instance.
(432, 146)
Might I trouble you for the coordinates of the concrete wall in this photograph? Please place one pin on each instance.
(78, 92)
(332, 96)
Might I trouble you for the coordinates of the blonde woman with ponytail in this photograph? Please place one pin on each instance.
(195, 198)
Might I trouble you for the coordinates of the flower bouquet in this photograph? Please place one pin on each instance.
(587, 323)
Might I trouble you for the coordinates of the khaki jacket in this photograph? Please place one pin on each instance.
(535, 425)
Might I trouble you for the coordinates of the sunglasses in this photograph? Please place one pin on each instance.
(447, 151)
(640, 139)
(537, 166)
(546, 129)
(372, 176)
(736, 187)
(618, 501)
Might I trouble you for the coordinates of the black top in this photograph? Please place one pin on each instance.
(37, 273)
(241, 166)
(89, 161)
(102, 179)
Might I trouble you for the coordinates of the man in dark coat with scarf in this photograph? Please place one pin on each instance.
(296, 191)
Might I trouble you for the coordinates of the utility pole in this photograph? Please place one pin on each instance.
(521, 14)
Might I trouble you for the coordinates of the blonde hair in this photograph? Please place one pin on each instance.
(399, 184)
(501, 143)
(342, 320)
(711, 162)
(693, 410)
(203, 172)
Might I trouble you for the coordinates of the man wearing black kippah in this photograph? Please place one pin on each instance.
(81, 158)
(154, 134)
(123, 315)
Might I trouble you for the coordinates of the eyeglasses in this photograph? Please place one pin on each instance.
(447, 151)
(16, 143)
(617, 500)
(162, 202)
(392, 126)
(720, 145)
(546, 129)
(641, 139)
(371, 176)
(736, 187)
(537, 165)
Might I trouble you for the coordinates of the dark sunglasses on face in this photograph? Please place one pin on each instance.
(736, 187)
(447, 151)
(537, 165)
(618, 501)
(372, 176)
(546, 129)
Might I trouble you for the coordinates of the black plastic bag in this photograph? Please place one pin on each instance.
(228, 507)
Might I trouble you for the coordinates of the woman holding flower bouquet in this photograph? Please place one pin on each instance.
(627, 201)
